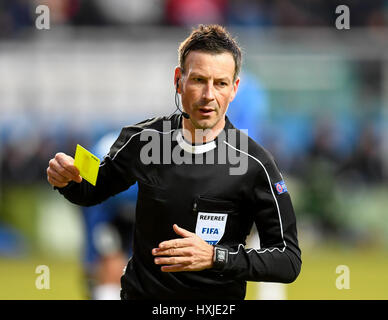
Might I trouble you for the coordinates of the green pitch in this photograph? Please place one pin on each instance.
(19, 279)
(368, 277)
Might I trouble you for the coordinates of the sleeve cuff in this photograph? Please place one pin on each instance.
(61, 190)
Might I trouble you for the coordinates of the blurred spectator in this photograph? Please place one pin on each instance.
(61, 11)
(19, 165)
(108, 235)
(192, 12)
(365, 165)
(74, 12)
(370, 73)
(324, 141)
(317, 173)
(293, 14)
(23, 161)
(250, 13)
(15, 16)
(12, 242)
(250, 109)
(140, 12)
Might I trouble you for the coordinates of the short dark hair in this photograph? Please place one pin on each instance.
(213, 39)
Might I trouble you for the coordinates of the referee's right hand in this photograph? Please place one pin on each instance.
(61, 171)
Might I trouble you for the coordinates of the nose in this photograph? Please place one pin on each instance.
(208, 91)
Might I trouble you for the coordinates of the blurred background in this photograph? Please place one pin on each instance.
(315, 96)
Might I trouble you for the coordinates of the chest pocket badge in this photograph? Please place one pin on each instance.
(211, 226)
(212, 214)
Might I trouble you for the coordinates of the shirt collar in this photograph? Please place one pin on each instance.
(197, 148)
(194, 148)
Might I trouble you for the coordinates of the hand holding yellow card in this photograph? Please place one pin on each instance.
(87, 164)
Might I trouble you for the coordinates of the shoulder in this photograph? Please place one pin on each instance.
(258, 160)
(259, 152)
(130, 135)
(161, 124)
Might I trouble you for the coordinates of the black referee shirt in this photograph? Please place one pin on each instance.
(217, 190)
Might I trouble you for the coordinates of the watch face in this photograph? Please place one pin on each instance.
(221, 255)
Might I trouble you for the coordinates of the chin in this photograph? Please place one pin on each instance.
(206, 123)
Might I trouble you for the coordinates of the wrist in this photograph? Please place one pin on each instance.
(220, 257)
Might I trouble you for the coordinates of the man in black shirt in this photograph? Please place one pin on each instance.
(202, 185)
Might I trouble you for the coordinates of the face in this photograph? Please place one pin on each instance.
(207, 88)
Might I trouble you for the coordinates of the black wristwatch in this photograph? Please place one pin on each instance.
(220, 257)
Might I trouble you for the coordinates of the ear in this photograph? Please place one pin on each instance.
(235, 88)
(178, 79)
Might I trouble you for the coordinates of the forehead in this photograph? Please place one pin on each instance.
(210, 64)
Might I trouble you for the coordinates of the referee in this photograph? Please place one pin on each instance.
(202, 185)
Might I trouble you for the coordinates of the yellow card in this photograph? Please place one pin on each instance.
(87, 164)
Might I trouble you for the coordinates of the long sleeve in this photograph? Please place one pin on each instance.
(278, 258)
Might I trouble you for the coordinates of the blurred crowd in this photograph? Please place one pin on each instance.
(356, 157)
(18, 15)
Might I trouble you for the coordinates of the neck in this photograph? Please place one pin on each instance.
(194, 134)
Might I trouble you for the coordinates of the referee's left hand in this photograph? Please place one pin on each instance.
(189, 253)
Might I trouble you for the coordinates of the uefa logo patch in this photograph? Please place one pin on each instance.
(280, 187)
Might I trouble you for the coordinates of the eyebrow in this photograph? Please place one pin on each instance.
(195, 74)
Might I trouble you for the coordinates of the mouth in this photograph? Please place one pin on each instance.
(206, 111)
